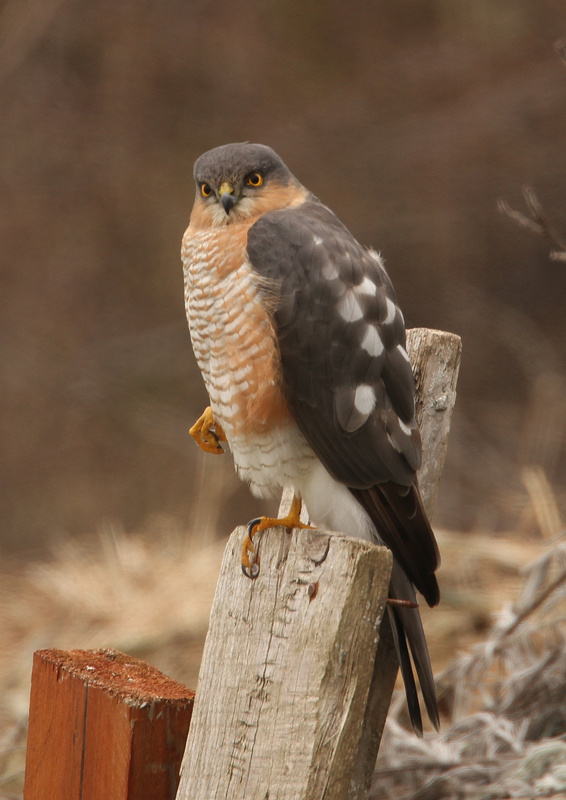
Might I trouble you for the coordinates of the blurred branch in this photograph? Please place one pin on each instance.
(537, 223)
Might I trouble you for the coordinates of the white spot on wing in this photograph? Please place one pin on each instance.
(391, 310)
(371, 342)
(349, 308)
(317, 240)
(393, 444)
(364, 399)
(405, 428)
(366, 287)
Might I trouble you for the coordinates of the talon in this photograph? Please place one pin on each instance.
(249, 560)
(204, 435)
(251, 572)
(250, 564)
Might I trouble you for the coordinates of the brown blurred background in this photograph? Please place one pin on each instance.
(409, 119)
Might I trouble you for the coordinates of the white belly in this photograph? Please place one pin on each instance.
(283, 458)
(270, 461)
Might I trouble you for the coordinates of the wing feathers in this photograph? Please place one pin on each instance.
(339, 329)
(403, 526)
(348, 381)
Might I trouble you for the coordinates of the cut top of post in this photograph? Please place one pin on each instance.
(126, 677)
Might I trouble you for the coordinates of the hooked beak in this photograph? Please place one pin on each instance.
(227, 196)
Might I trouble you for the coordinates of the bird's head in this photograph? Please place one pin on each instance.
(239, 182)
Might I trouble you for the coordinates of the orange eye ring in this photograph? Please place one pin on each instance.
(254, 179)
(205, 189)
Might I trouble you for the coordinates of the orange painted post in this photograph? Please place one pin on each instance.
(104, 726)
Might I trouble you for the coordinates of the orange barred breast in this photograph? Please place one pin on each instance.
(231, 331)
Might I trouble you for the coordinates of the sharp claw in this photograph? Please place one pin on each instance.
(253, 571)
(251, 526)
(204, 435)
(250, 567)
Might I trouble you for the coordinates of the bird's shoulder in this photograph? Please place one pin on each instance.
(310, 237)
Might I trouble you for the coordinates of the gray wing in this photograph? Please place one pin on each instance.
(341, 336)
(349, 384)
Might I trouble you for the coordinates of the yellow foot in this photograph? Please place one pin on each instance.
(206, 438)
(250, 564)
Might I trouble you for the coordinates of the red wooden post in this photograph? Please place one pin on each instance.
(104, 726)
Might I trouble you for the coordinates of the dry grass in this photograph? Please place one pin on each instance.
(504, 704)
(149, 595)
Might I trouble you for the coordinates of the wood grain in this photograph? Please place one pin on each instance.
(286, 669)
(435, 358)
(103, 726)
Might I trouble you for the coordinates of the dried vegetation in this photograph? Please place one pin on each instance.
(502, 687)
(503, 702)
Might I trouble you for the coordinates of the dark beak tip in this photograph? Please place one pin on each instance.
(228, 202)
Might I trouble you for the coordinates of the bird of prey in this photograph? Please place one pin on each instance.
(301, 343)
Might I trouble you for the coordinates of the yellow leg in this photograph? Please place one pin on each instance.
(250, 567)
(206, 438)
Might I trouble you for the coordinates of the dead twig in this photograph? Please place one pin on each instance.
(537, 223)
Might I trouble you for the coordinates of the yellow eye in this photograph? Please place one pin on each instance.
(254, 179)
(205, 189)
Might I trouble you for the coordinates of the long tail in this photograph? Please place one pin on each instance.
(401, 524)
(410, 642)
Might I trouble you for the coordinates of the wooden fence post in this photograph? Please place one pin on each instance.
(103, 726)
(297, 676)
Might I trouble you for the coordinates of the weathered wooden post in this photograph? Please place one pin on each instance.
(298, 667)
(103, 726)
